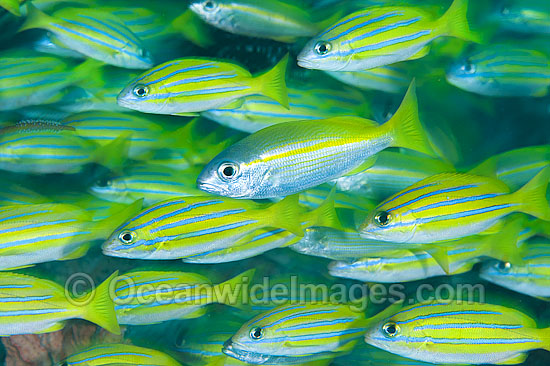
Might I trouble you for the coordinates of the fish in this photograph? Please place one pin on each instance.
(273, 19)
(119, 354)
(451, 206)
(530, 17)
(515, 167)
(292, 334)
(186, 226)
(392, 172)
(44, 232)
(103, 127)
(27, 81)
(366, 355)
(389, 78)
(405, 265)
(379, 36)
(265, 239)
(314, 197)
(305, 103)
(530, 278)
(502, 71)
(152, 297)
(43, 147)
(153, 183)
(459, 332)
(32, 305)
(94, 33)
(190, 85)
(12, 193)
(290, 157)
(49, 43)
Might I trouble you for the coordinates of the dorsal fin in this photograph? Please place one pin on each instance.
(36, 125)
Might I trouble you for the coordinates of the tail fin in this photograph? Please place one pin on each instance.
(504, 244)
(192, 28)
(35, 18)
(456, 22)
(272, 83)
(12, 6)
(405, 125)
(101, 310)
(532, 196)
(324, 215)
(114, 154)
(84, 70)
(286, 214)
(239, 283)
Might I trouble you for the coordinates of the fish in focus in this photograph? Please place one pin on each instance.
(379, 36)
(186, 226)
(502, 71)
(31, 305)
(291, 334)
(289, 157)
(191, 85)
(451, 206)
(459, 332)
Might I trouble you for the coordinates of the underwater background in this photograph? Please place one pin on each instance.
(465, 127)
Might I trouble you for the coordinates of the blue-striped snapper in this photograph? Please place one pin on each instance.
(452, 205)
(459, 332)
(378, 36)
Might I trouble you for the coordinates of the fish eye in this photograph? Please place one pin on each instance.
(390, 329)
(208, 5)
(504, 266)
(141, 91)
(322, 47)
(104, 182)
(127, 237)
(228, 170)
(256, 333)
(468, 67)
(382, 218)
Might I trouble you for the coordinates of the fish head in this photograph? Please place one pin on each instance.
(111, 189)
(228, 174)
(132, 242)
(211, 11)
(391, 335)
(325, 53)
(466, 74)
(264, 339)
(385, 225)
(502, 273)
(146, 94)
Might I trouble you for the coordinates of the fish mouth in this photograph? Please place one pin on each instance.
(242, 355)
(305, 63)
(210, 188)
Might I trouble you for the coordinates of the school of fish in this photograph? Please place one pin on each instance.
(275, 182)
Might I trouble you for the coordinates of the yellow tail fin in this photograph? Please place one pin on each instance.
(405, 126)
(532, 196)
(455, 22)
(35, 19)
(286, 214)
(324, 215)
(101, 309)
(234, 292)
(272, 84)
